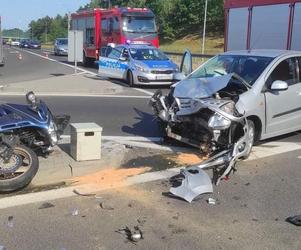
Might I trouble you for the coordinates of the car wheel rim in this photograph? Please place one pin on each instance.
(251, 136)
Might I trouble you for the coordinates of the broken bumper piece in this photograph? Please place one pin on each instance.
(195, 182)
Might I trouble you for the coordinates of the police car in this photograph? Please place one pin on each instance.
(137, 64)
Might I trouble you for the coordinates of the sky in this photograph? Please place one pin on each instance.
(19, 13)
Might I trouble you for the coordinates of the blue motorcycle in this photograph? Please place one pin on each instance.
(25, 131)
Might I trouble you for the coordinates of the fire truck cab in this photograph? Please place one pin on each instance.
(113, 26)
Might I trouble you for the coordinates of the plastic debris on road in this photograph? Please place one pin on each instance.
(2, 248)
(46, 205)
(295, 220)
(105, 207)
(133, 235)
(75, 212)
(211, 201)
(83, 194)
(193, 182)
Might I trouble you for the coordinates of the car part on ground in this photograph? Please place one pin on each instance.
(295, 220)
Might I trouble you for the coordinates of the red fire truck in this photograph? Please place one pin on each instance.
(262, 24)
(116, 25)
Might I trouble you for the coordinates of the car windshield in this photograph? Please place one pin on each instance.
(139, 24)
(249, 68)
(148, 54)
(63, 42)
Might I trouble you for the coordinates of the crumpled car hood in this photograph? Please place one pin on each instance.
(200, 87)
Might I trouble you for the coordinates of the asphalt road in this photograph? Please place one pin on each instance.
(28, 68)
(250, 213)
(117, 116)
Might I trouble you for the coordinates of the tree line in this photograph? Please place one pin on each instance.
(175, 18)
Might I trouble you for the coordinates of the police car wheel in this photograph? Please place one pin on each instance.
(130, 79)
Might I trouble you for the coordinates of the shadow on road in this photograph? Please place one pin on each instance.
(146, 125)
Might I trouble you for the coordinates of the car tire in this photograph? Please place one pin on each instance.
(252, 135)
(86, 60)
(130, 79)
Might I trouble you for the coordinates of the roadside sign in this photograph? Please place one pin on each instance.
(75, 47)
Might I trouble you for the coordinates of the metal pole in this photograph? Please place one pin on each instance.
(75, 54)
(204, 27)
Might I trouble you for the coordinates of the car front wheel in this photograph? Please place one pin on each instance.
(252, 136)
(130, 79)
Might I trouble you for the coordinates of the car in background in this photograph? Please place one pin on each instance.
(15, 43)
(30, 44)
(24, 43)
(34, 44)
(61, 47)
(137, 64)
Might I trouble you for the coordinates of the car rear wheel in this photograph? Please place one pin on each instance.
(130, 79)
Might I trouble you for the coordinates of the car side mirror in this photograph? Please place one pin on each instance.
(279, 85)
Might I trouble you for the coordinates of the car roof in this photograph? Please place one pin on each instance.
(273, 53)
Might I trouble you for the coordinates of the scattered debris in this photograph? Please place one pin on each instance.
(132, 235)
(295, 220)
(98, 197)
(46, 205)
(82, 194)
(236, 198)
(141, 221)
(2, 248)
(247, 184)
(106, 207)
(211, 201)
(75, 212)
(193, 182)
(254, 219)
(10, 222)
(128, 146)
(71, 169)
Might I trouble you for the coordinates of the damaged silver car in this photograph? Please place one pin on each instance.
(227, 104)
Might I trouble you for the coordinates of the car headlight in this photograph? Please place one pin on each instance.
(219, 122)
(177, 69)
(52, 133)
(228, 108)
(141, 69)
(31, 98)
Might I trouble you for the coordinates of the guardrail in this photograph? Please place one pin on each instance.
(193, 55)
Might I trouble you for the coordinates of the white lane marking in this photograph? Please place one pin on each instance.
(299, 157)
(75, 95)
(273, 148)
(125, 138)
(145, 91)
(53, 60)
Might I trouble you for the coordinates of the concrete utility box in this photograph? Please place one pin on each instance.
(85, 141)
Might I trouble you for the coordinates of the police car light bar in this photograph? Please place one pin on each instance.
(129, 42)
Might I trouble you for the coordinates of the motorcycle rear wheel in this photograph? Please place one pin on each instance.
(25, 165)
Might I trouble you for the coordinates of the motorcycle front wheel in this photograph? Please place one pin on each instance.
(18, 172)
